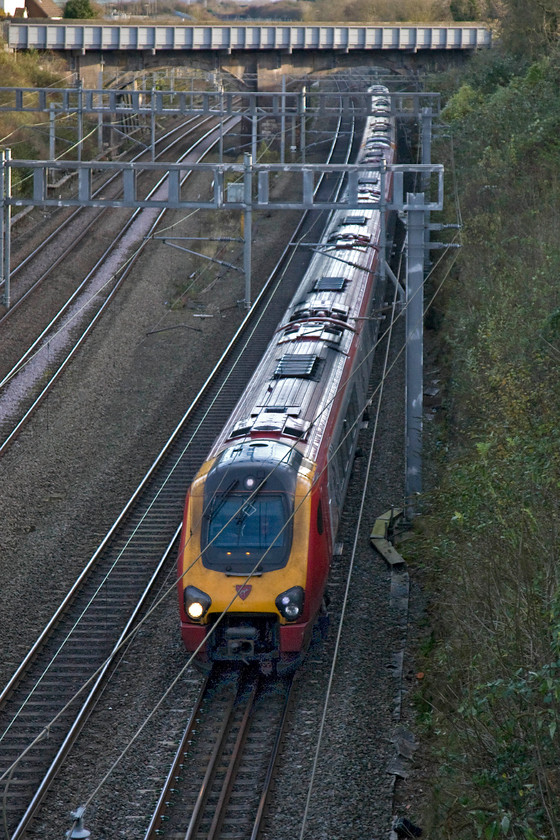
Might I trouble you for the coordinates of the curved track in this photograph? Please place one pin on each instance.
(25, 386)
(108, 595)
(31, 272)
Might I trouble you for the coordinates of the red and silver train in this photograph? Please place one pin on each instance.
(262, 514)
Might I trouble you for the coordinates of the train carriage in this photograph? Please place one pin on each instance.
(262, 513)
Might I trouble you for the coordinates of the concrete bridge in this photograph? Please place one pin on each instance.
(256, 48)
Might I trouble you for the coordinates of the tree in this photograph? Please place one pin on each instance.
(81, 9)
(465, 9)
(530, 29)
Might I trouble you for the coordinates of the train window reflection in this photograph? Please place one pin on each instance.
(255, 525)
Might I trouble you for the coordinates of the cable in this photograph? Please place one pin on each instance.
(69, 149)
(165, 595)
(387, 370)
(456, 187)
(349, 576)
(10, 770)
(30, 358)
(250, 575)
(138, 525)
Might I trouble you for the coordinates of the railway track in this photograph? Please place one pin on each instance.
(38, 265)
(30, 379)
(220, 778)
(40, 712)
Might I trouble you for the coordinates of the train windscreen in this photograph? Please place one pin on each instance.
(242, 531)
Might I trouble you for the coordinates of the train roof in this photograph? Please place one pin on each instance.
(291, 394)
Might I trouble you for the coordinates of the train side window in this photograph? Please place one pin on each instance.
(320, 517)
(336, 475)
(353, 407)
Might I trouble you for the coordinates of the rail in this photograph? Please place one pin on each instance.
(239, 718)
(140, 537)
(87, 297)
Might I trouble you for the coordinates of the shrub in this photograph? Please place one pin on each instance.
(489, 543)
(80, 9)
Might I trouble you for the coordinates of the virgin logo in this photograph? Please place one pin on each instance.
(243, 591)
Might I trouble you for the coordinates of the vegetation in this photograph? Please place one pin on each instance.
(28, 69)
(25, 133)
(487, 546)
(330, 10)
(81, 9)
(528, 29)
(400, 10)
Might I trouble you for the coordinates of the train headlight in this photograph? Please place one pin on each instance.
(197, 603)
(290, 603)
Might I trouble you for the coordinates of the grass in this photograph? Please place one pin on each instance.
(26, 134)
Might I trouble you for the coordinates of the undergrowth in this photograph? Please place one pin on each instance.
(26, 133)
(487, 546)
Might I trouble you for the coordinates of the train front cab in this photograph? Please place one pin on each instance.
(252, 573)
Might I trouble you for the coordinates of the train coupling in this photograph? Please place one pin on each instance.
(240, 641)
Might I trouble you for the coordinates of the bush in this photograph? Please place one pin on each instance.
(489, 544)
(80, 9)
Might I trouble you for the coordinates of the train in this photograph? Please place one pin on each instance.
(262, 513)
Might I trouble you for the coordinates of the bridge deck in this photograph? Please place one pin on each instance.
(284, 37)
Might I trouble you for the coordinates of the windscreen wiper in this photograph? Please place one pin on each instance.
(218, 502)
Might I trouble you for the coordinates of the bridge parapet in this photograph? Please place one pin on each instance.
(285, 38)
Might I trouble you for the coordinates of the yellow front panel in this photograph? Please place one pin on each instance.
(266, 587)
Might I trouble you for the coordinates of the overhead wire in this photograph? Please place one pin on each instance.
(456, 197)
(290, 258)
(85, 304)
(146, 513)
(387, 371)
(172, 588)
(4, 733)
(334, 661)
(44, 733)
(328, 692)
(30, 357)
(180, 221)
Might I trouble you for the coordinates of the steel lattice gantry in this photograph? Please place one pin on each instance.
(255, 179)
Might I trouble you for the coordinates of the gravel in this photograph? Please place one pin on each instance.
(65, 480)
